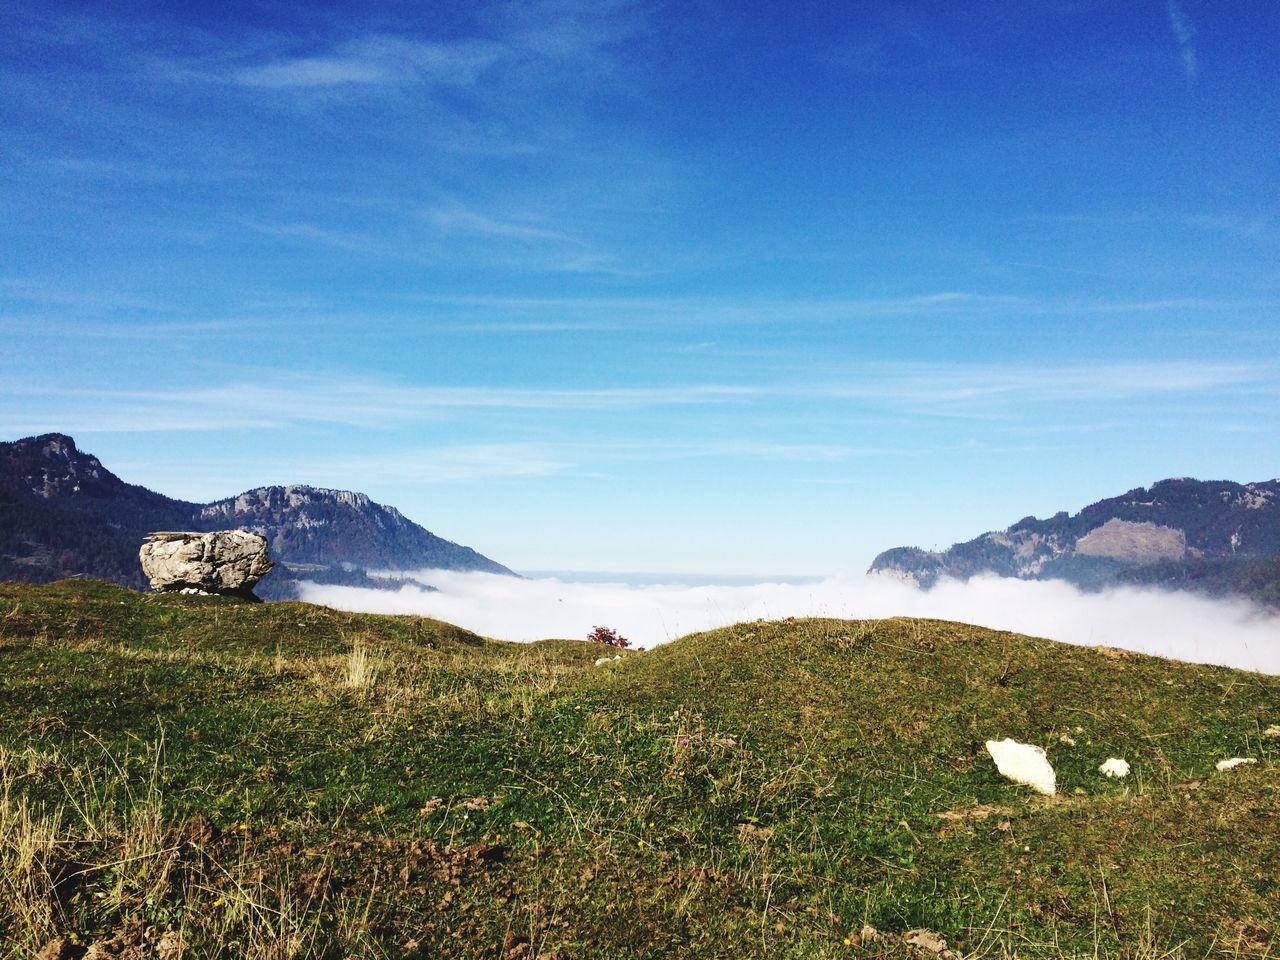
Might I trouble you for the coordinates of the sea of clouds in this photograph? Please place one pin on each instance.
(1177, 625)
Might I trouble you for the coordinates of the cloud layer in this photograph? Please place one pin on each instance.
(1180, 626)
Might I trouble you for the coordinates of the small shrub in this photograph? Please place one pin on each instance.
(608, 637)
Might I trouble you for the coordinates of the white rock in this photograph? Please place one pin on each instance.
(1023, 763)
(1235, 762)
(224, 561)
(603, 660)
(1272, 731)
(1115, 767)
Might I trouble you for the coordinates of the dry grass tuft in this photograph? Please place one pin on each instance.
(30, 850)
(364, 664)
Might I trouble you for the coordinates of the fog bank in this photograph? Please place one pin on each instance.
(1176, 625)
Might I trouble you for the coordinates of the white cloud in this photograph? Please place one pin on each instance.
(378, 59)
(1176, 625)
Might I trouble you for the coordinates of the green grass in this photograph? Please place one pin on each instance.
(284, 780)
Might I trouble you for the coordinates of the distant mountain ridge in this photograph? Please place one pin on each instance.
(306, 524)
(62, 513)
(1214, 536)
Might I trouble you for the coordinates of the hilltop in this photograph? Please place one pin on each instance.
(289, 780)
(63, 513)
(1214, 537)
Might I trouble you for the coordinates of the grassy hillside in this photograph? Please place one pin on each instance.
(202, 777)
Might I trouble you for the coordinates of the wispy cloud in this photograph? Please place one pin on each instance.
(1249, 225)
(277, 399)
(291, 399)
(1156, 306)
(639, 449)
(233, 471)
(348, 241)
(1184, 32)
(58, 326)
(730, 310)
(518, 84)
(960, 383)
(454, 463)
(460, 218)
(460, 463)
(56, 293)
(376, 60)
(790, 452)
(520, 245)
(516, 38)
(580, 32)
(448, 463)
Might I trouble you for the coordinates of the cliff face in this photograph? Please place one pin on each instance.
(62, 514)
(1218, 536)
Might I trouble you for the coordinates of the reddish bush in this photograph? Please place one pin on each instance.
(608, 637)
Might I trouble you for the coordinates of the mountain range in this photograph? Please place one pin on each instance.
(1213, 537)
(63, 514)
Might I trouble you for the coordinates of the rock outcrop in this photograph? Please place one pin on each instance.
(221, 562)
(1132, 542)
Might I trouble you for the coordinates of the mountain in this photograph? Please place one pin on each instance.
(1215, 537)
(62, 513)
(312, 525)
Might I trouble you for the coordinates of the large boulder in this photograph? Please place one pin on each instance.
(224, 561)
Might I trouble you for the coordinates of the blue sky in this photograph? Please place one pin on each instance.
(719, 287)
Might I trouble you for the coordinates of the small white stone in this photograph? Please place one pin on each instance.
(1115, 767)
(1235, 762)
(1023, 763)
(1272, 731)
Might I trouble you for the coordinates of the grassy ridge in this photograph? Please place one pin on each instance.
(203, 777)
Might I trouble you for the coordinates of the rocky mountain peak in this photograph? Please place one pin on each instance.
(306, 524)
(265, 502)
(1187, 533)
(50, 466)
